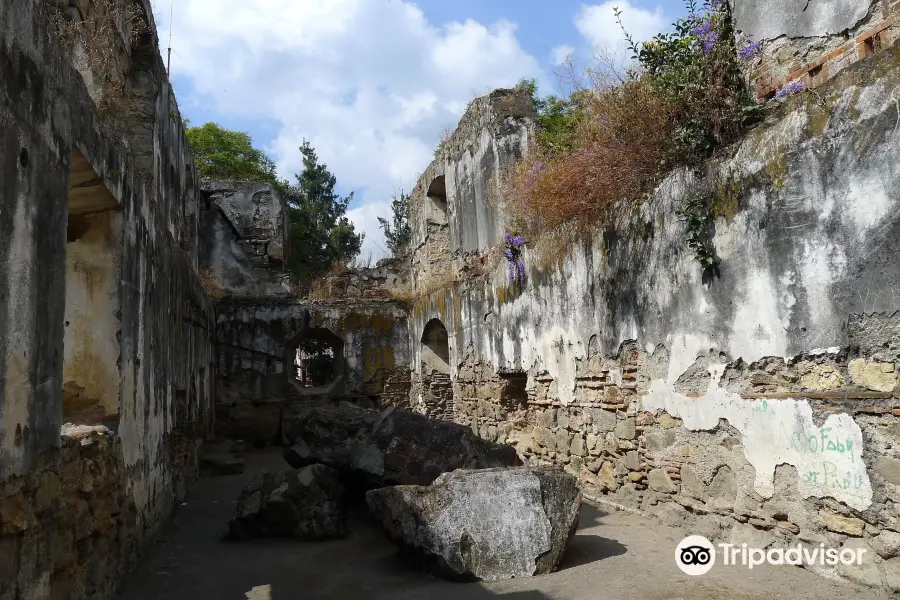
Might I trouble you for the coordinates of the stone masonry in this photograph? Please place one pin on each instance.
(760, 409)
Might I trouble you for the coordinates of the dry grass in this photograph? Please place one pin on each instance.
(439, 282)
(214, 290)
(621, 148)
(96, 41)
(320, 289)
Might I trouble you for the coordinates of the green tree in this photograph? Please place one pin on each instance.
(398, 235)
(223, 154)
(558, 118)
(321, 233)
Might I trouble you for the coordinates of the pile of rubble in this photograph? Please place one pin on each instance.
(461, 506)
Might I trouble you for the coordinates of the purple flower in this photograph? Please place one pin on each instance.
(508, 253)
(710, 41)
(508, 238)
(750, 50)
(517, 241)
(703, 28)
(791, 88)
(512, 272)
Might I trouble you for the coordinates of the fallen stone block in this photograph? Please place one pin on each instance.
(483, 525)
(307, 503)
(391, 447)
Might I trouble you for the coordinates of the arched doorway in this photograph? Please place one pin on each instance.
(437, 389)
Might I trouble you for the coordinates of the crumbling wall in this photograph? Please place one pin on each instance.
(245, 239)
(760, 407)
(811, 41)
(75, 514)
(256, 375)
(454, 205)
(388, 279)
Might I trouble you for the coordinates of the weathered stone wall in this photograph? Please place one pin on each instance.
(811, 42)
(66, 166)
(454, 208)
(760, 408)
(256, 346)
(388, 279)
(245, 239)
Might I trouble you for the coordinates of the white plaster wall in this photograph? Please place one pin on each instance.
(90, 344)
(812, 243)
(828, 457)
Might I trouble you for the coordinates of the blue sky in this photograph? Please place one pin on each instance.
(372, 83)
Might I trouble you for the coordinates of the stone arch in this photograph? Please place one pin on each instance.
(316, 359)
(437, 388)
(435, 348)
(437, 196)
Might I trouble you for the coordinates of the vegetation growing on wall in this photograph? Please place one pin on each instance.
(619, 133)
(98, 40)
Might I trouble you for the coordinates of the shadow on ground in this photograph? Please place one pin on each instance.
(613, 556)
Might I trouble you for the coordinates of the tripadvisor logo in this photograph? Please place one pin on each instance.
(696, 555)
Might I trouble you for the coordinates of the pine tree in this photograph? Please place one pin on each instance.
(321, 234)
(398, 236)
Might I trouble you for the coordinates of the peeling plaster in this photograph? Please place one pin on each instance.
(828, 458)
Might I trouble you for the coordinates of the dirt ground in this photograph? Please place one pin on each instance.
(614, 555)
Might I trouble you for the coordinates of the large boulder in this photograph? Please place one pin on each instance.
(308, 503)
(488, 524)
(390, 447)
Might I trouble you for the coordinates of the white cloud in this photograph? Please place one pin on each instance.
(369, 82)
(561, 53)
(597, 23)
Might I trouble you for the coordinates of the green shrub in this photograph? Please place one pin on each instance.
(683, 97)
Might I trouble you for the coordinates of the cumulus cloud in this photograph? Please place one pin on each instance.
(597, 24)
(370, 83)
(560, 54)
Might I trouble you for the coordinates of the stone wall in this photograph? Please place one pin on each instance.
(99, 234)
(811, 42)
(245, 239)
(760, 406)
(257, 341)
(454, 204)
(388, 279)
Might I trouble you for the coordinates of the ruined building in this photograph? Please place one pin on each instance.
(145, 311)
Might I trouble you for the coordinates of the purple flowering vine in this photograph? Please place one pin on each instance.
(513, 254)
(710, 42)
(703, 29)
(791, 88)
(750, 51)
(705, 34)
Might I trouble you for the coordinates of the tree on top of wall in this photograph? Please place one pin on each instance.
(399, 235)
(321, 233)
(223, 154)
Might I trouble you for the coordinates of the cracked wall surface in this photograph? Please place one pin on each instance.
(245, 238)
(811, 40)
(760, 409)
(256, 341)
(75, 512)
